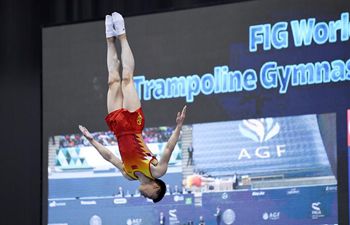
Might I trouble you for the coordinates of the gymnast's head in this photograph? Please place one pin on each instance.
(154, 190)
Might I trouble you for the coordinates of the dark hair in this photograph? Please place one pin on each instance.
(161, 191)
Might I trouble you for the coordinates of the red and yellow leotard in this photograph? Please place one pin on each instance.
(127, 127)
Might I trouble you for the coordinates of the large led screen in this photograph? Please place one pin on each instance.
(265, 83)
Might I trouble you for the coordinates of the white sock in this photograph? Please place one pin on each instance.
(110, 31)
(118, 22)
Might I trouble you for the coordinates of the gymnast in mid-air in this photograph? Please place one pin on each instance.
(125, 118)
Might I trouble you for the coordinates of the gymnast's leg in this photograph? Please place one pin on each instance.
(131, 100)
(114, 95)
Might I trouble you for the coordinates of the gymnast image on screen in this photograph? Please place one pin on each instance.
(125, 118)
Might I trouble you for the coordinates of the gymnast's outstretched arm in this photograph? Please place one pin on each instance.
(162, 166)
(104, 152)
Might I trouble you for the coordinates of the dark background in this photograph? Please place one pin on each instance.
(20, 89)
(21, 86)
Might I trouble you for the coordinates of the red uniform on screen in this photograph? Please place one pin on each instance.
(127, 127)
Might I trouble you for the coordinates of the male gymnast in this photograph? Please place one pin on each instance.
(125, 118)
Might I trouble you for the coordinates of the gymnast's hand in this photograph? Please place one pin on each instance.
(181, 117)
(86, 133)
